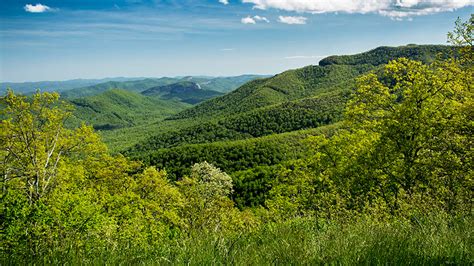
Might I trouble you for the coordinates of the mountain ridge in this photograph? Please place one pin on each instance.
(230, 116)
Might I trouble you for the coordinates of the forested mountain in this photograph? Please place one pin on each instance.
(332, 73)
(222, 84)
(252, 162)
(219, 84)
(382, 55)
(58, 86)
(185, 91)
(288, 116)
(135, 86)
(296, 99)
(117, 108)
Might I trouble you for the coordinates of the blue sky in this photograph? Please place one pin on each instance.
(66, 39)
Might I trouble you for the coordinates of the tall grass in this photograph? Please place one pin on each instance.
(300, 241)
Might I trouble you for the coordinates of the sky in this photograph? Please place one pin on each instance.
(69, 39)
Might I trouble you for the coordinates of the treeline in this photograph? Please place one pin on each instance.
(383, 55)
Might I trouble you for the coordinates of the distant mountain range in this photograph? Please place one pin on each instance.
(58, 86)
(87, 87)
(185, 91)
(123, 104)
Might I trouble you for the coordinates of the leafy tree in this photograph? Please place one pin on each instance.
(34, 141)
(406, 146)
(61, 184)
(208, 206)
(215, 182)
(462, 36)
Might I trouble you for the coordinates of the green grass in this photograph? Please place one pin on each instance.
(429, 241)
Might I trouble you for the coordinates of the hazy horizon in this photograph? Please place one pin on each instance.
(134, 78)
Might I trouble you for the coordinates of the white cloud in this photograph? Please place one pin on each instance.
(390, 8)
(292, 20)
(259, 18)
(38, 8)
(227, 49)
(253, 20)
(225, 2)
(248, 20)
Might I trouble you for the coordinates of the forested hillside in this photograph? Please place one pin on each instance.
(128, 112)
(219, 84)
(293, 100)
(118, 108)
(332, 73)
(57, 86)
(364, 159)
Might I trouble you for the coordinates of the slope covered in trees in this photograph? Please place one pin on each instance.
(311, 80)
(119, 108)
(382, 55)
(134, 86)
(57, 86)
(296, 99)
(219, 84)
(288, 116)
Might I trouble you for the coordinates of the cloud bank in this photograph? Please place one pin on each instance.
(390, 8)
(38, 8)
(225, 2)
(292, 20)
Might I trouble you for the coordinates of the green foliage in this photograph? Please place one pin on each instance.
(215, 182)
(288, 116)
(250, 162)
(422, 116)
(52, 86)
(462, 37)
(34, 140)
(405, 150)
(119, 108)
(290, 85)
(219, 84)
(208, 208)
(383, 55)
(434, 239)
(61, 184)
(296, 99)
(133, 85)
(390, 183)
